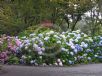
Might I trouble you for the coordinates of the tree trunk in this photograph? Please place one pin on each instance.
(75, 22)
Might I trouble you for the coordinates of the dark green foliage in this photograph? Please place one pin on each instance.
(34, 29)
(17, 15)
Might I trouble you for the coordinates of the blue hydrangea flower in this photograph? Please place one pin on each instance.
(88, 50)
(100, 57)
(40, 35)
(40, 44)
(70, 62)
(63, 49)
(78, 47)
(100, 43)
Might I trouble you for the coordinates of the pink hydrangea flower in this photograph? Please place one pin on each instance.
(13, 49)
(18, 42)
(3, 56)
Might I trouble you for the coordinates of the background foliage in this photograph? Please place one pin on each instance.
(18, 15)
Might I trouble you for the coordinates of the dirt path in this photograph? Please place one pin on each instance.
(80, 70)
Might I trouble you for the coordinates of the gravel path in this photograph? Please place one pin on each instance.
(80, 70)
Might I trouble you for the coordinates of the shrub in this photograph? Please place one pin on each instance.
(51, 48)
(66, 48)
(8, 47)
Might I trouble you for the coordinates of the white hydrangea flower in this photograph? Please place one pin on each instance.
(71, 40)
(85, 35)
(72, 53)
(60, 64)
(43, 49)
(26, 47)
(78, 37)
(90, 39)
(85, 55)
(70, 62)
(78, 31)
(75, 58)
(32, 61)
(33, 34)
(47, 33)
(40, 57)
(63, 32)
(56, 64)
(24, 37)
(37, 38)
(63, 36)
(68, 36)
(96, 55)
(35, 45)
(23, 57)
(46, 38)
(33, 39)
(40, 52)
(29, 56)
(59, 42)
(83, 44)
(40, 35)
(76, 40)
(63, 60)
(51, 32)
(63, 49)
(55, 36)
(58, 60)
(89, 58)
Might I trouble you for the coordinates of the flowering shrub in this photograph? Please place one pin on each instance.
(8, 46)
(52, 48)
(97, 47)
(55, 48)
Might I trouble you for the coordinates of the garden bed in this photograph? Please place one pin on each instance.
(51, 48)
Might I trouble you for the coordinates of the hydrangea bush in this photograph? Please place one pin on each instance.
(97, 47)
(8, 46)
(54, 48)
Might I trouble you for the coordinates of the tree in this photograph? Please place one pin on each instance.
(25, 13)
(72, 10)
(9, 23)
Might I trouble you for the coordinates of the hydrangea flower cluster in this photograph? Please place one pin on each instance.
(53, 48)
(8, 47)
(97, 47)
